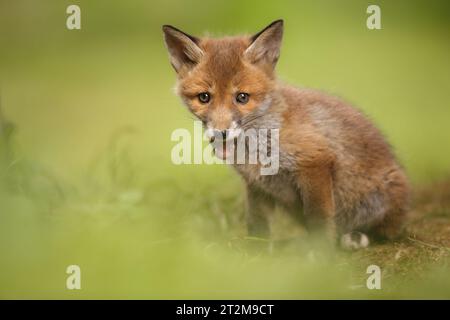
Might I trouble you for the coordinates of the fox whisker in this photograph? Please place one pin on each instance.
(250, 119)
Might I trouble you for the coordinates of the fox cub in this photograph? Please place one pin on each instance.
(337, 173)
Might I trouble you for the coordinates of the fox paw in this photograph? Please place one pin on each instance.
(354, 240)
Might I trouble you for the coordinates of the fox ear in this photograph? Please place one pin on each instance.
(265, 45)
(183, 48)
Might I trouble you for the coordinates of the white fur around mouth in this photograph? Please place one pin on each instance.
(232, 132)
(223, 149)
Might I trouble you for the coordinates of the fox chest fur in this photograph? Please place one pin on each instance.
(282, 186)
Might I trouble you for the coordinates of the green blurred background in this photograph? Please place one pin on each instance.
(89, 180)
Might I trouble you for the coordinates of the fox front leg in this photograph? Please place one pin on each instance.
(259, 207)
(316, 187)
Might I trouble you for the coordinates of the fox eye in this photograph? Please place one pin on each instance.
(242, 97)
(204, 97)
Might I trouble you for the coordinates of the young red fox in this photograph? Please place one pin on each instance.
(336, 171)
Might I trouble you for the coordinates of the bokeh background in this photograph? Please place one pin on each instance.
(87, 116)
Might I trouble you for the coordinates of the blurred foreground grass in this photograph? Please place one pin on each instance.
(161, 240)
(86, 176)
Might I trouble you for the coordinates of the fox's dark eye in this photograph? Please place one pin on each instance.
(204, 97)
(242, 97)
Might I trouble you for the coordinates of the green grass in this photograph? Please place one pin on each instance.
(87, 179)
(162, 240)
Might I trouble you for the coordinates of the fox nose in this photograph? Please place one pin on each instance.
(224, 134)
(221, 134)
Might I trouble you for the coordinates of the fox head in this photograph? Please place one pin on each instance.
(225, 81)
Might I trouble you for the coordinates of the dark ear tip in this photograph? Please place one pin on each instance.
(279, 22)
(167, 27)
